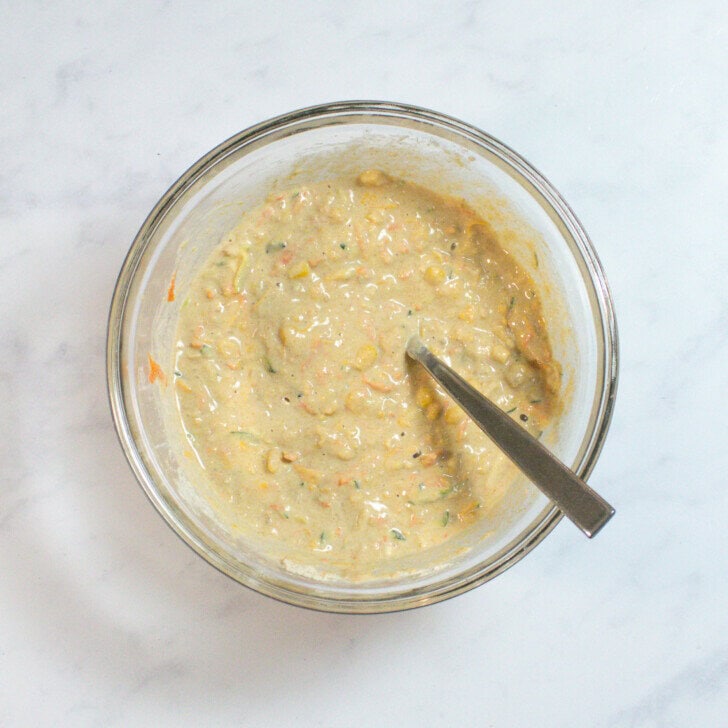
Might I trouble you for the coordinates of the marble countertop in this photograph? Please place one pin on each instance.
(107, 619)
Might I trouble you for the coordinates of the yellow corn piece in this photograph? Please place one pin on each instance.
(273, 460)
(284, 334)
(423, 397)
(372, 178)
(500, 353)
(435, 275)
(343, 274)
(365, 357)
(467, 314)
(453, 415)
(300, 270)
(355, 401)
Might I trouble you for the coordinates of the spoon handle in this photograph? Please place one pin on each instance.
(583, 506)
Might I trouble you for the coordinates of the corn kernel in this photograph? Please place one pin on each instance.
(423, 397)
(453, 415)
(273, 460)
(433, 411)
(343, 274)
(500, 353)
(354, 401)
(467, 314)
(365, 357)
(372, 178)
(435, 274)
(300, 270)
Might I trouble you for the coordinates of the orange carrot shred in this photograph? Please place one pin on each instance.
(155, 372)
(170, 290)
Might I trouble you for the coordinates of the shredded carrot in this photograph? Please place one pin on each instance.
(377, 386)
(429, 458)
(155, 372)
(307, 407)
(170, 290)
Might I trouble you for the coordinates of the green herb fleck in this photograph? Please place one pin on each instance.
(270, 367)
(446, 491)
(357, 484)
(445, 518)
(511, 410)
(398, 534)
(511, 304)
(342, 246)
(409, 312)
(273, 247)
(535, 258)
(245, 435)
(421, 486)
(177, 373)
(295, 194)
(535, 401)
(206, 351)
(322, 537)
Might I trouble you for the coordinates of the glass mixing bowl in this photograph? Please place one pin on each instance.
(313, 144)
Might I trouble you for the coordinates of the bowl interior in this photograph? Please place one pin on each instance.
(534, 225)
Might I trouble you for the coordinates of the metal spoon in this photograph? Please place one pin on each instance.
(587, 509)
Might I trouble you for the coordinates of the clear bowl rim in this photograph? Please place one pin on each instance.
(528, 539)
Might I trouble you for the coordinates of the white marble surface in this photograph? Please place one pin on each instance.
(107, 619)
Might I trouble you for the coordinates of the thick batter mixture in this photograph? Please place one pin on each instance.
(294, 388)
